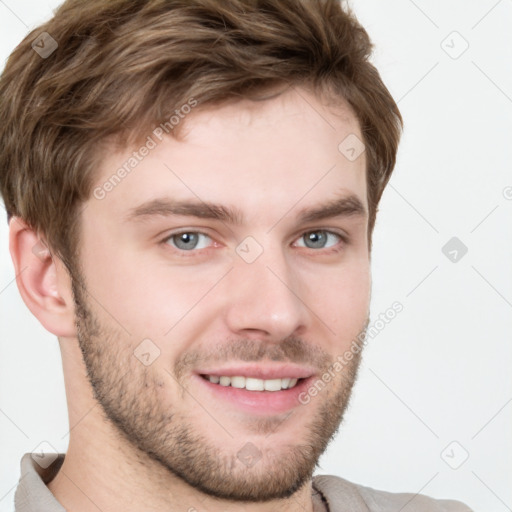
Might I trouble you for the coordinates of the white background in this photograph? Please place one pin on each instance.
(441, 370)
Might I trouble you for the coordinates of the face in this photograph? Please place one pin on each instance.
(205, 328)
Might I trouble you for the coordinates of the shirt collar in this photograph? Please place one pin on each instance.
(32, 494)
(340, 494)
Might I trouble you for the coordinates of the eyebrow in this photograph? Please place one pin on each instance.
(346, 206)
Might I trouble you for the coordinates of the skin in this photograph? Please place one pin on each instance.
(150, 437)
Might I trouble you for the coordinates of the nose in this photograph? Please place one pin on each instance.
(264, 298)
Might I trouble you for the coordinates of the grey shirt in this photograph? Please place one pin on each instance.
(337, 494)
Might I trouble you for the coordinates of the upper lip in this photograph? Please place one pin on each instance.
(261, 371)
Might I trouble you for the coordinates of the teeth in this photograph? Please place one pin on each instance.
(252, 384)
(272, 385)
(225, 381)
(238, 382)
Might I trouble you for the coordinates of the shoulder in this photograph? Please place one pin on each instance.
(340, 492)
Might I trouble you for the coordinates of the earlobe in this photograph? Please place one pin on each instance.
(44, 284)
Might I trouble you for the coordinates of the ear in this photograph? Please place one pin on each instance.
(44, 282)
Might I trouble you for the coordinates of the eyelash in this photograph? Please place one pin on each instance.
(193, 252)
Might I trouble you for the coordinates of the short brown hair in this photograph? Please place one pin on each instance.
(123, 66)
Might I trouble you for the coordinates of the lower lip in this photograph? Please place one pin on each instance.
(258, 402)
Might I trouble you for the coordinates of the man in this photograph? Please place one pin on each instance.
(191, 189)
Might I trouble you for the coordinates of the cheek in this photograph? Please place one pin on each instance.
(150, 298)
(346, 302)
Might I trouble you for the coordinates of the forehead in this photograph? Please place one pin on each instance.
(262, 157)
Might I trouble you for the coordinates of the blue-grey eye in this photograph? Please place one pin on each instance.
(317, 239)
(187, 240)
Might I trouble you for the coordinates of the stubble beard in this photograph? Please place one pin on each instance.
(132, 399)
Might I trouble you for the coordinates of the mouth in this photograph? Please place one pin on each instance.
(256, 390)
